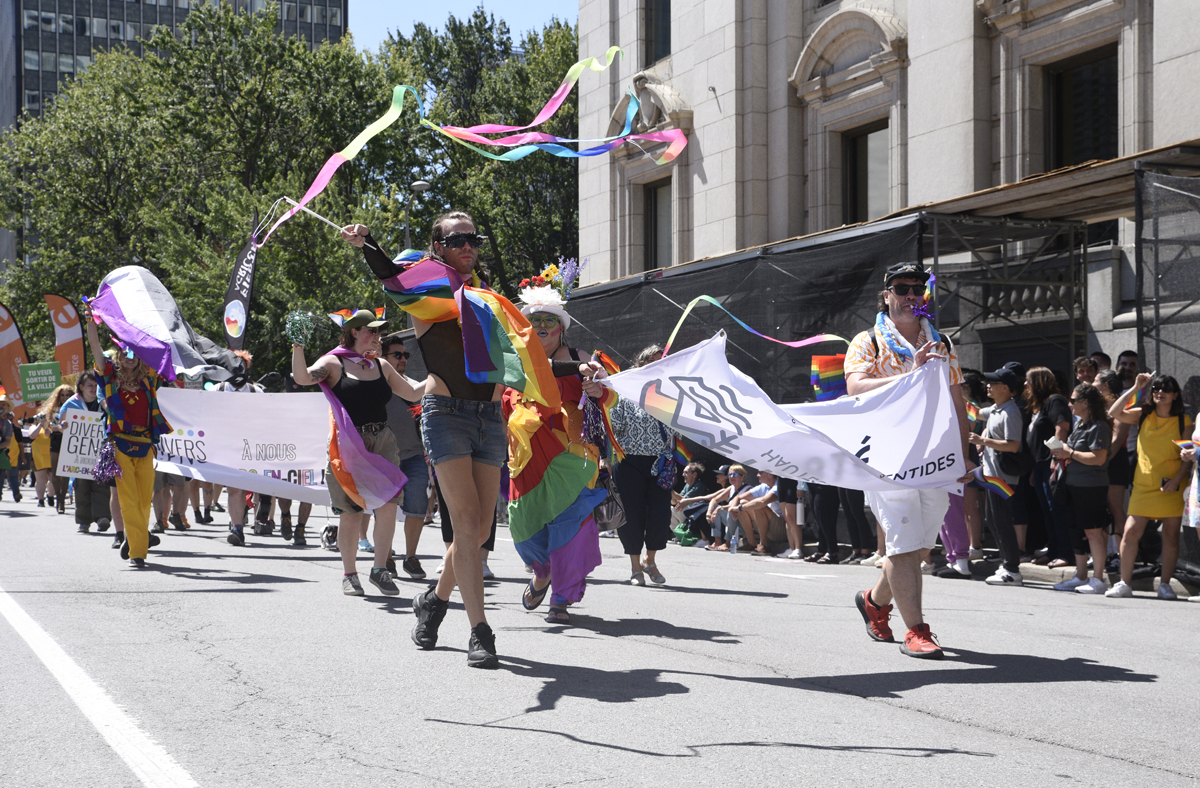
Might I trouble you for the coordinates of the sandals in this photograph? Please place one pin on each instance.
(535, 596)
(558, 615)
(825, 559)
(637, 579)
(655, 575)
(812, 558)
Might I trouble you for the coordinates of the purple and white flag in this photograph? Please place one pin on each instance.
(141, 313)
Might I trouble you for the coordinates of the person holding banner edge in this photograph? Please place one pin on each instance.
(902, 340)
(92, 499)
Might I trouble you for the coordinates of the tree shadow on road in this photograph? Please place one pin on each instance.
(987, 669)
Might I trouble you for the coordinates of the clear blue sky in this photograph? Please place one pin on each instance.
(371, 20)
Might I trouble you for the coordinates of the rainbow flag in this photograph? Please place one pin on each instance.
(498, 342)
(828, 376)
(993, 483)
(972, 412)
(1185, 444)
(682, 455)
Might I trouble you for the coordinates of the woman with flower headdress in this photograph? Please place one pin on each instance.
(553, 465)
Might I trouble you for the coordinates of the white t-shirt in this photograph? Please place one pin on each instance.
(763, 489)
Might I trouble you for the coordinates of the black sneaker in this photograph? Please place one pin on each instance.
(102, 524)
(285, 527)
(137, 563)
(429, 611)
(329, 537)
(298, 537)
(158, 527)
(154, 541)
(118, 539)
(235, 536)
(481, 649)
(259, 528)
(217, 507)
(84, 528)
(207, 518)
(413, 567)
(176, 520)
(381, 578)
(124, 549)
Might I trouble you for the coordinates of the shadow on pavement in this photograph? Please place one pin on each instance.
(691, 589)
(11, 513)
(580, 681)
(989, 669)
(221, 575)
(647, 627)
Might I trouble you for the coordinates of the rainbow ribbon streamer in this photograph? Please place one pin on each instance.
(799, 343)
(522, 144)
(993, 483)
(829, 376)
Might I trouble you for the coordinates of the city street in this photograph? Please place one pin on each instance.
(248, 667)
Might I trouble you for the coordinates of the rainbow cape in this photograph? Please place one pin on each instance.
(993, 483)
(828, 376)
(499, 344)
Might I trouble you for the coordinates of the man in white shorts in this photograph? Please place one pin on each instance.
(900, 342)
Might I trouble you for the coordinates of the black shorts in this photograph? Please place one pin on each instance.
(786, 489)
(55, 442)
(1120, 468)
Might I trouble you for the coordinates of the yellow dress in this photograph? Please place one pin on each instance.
(41, 451)
(1158, 459)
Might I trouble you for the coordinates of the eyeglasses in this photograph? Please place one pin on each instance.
(735, 473)
(397, 355)
(459, 240)
(903, 290)
(549, 321)
(1075, 399)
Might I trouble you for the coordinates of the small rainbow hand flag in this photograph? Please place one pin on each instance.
(682, 455)
(1185, 444)
(972, 412)
(993, 483)
(828, 377)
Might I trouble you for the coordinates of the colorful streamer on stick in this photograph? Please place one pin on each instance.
(522, 144)
(829, 376)
(709, 299)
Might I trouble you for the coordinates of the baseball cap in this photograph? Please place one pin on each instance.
(1003, 375)
(723, 470)
(903, 270)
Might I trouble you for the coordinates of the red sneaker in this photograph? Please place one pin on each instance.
(921, 643)
(875, 616)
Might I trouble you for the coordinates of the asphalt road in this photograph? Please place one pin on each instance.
(249, 667)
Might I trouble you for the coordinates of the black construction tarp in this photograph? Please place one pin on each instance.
(787, 294)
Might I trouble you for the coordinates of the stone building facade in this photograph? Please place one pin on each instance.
(804, 115)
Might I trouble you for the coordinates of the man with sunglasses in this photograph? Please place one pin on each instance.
(407, 429)
(900, 342)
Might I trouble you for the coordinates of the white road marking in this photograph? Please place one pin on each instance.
(150, 762)
(797, 577)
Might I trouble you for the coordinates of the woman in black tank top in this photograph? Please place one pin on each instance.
(363, 383)
(469, 477)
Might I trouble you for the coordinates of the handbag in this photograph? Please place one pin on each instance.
(610, 514)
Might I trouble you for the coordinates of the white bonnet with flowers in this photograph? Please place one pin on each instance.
(549, 291)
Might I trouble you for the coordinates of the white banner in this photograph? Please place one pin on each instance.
(900, 436)
(84, 432)
(267, 443)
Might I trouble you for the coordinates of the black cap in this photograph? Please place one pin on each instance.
(723, 470)
(1003, 375)
(905, 270)
(1017, 368)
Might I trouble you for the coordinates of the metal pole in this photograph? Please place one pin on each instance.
(1139, 259)
(1157, 294)
(407, 232)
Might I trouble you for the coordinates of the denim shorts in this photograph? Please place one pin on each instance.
(453, 428)
(416, 489)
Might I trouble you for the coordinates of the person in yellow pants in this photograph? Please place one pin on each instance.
(134, 425)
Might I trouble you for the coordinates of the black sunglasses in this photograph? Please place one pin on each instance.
(459, 240)
(400, 354)
(1164, 389)
(903, 290)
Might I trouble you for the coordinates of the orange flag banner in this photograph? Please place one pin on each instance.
(12, 355)
(68, 334)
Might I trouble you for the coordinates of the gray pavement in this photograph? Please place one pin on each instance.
(249, 668)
